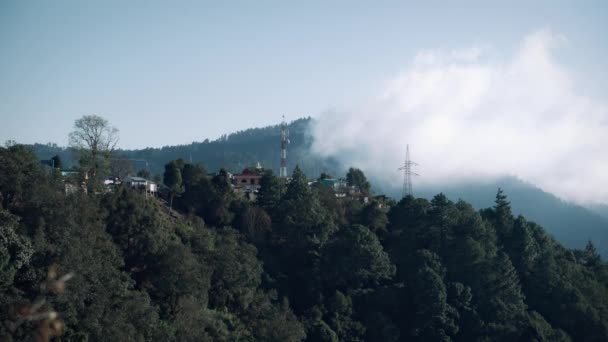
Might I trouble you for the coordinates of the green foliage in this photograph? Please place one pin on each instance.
(297, 265)
(375, 218)
(354, 258)
(434, 319)
(136, 227)
(356, 177)
(57, 163)
(270, 191)
(144, 173)
(173, 179)
(15, 249)
(237, 272)
(324, 175)
(19, 169)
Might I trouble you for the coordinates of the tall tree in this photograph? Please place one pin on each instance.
(354, 258)
(324, 175)
(120, 167)
(356, 178)
(173, 180)
(95, 140)
(144, 173)
(503, 217)
(270, 191)
(57, 162)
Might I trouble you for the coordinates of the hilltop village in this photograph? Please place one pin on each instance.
(245, 183)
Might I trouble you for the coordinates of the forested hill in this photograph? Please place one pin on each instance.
(298, 265)
(569, 223)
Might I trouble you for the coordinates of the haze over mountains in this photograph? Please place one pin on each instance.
(570, 223)
(470, 117)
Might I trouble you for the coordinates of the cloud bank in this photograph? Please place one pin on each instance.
(469, 119)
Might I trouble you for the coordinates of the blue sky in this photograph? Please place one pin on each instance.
(173, 72)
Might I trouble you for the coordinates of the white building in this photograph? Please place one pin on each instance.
(142, 184)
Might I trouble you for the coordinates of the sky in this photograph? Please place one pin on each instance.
(167, 72)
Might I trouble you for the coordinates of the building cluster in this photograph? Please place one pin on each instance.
(246, 184)
(144, 185)
(76, 181)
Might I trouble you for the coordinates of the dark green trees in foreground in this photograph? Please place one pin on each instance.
(299, 265)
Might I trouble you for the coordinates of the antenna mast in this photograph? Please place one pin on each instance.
(407, 174)
(284, 142)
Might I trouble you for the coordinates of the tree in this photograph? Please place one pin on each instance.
(324, 175)
(237, 272)
(173, 180)
(301, 229)
(434, 318)
(592, 257)
(15, 250)
(192, 174)
(19, 174)
(503, 215)
(144, 173)
(57, 162)
(270, 191)
(120, 167)
(95, 140)
(356, 178)
(255, 224)
(374, 218)
(354, 258)
(500, 300)
(135, 226)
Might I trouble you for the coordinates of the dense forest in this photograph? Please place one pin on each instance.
(570, 224)
(298, 264)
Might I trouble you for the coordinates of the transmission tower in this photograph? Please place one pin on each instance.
(284, 142)
(408, 173)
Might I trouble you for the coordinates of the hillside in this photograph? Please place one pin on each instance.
(571, 224)
(298, 265)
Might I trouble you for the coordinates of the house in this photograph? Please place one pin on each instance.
(247, 183)
(74, 181)
(140, 183)
(339, 186)
(382, 201)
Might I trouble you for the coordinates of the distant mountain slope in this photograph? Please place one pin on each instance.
(599, 209)
(233, 151)
(242, 149)
(570, 224)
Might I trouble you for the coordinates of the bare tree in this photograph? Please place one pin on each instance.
(95, 140)
(121, 167)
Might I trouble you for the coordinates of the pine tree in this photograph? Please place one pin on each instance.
(270, 191)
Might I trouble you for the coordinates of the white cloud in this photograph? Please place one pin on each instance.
(469, 119)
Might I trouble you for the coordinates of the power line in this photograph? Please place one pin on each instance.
(408, 173)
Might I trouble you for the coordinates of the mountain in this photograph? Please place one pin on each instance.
(571, 224)
(233, 151)
(599, 209)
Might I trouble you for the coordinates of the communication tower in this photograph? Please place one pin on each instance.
(284, 142)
